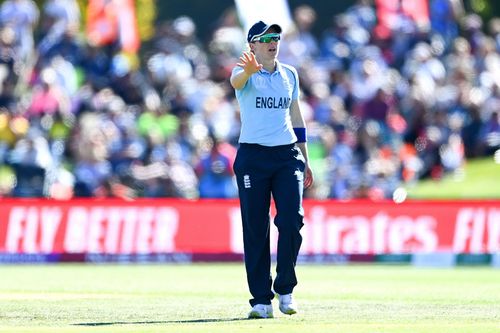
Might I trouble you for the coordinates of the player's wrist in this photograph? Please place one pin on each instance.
(249, 71)
(301, 134)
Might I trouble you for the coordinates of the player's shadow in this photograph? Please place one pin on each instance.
(207, 320)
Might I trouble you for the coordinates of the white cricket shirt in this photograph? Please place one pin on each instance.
(265, 106)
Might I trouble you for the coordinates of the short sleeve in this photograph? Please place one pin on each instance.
(236, 70)
(296, 90)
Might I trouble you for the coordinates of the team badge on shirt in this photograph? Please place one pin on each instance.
(260, 82)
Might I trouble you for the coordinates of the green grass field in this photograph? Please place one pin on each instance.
(213, 298)
(479, 180)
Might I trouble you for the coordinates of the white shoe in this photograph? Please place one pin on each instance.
(261, 311)
(287, 304)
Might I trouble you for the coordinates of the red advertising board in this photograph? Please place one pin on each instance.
(214, 226)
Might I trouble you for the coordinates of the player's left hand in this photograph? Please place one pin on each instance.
(309, 177)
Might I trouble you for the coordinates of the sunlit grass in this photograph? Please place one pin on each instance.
(480, 179)
(214, 298)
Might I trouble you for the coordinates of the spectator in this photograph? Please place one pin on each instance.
(22, 17)
(60, 20)
(489, 135)
(301, 44)
(215, 170)
(384, 107)
(378, 107)
(445, 15)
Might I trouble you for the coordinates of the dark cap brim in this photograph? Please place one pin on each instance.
(275, 26)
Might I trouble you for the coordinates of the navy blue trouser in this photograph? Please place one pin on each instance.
(261, 172)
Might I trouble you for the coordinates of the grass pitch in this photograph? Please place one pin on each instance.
(213, 298)
(475, 182)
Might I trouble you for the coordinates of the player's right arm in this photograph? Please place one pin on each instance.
(249, 65)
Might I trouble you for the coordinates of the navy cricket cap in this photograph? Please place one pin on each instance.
(259, 28)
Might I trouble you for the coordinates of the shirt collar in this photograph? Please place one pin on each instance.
(279, 69)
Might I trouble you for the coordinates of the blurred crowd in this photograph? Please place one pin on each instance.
(384, 108)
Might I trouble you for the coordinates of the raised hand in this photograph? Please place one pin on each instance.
(249, 63)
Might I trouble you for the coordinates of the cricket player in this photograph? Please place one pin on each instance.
(272, 160)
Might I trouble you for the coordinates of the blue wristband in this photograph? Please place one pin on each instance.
(300, 133)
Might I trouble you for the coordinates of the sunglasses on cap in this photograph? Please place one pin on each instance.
(268, 38)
